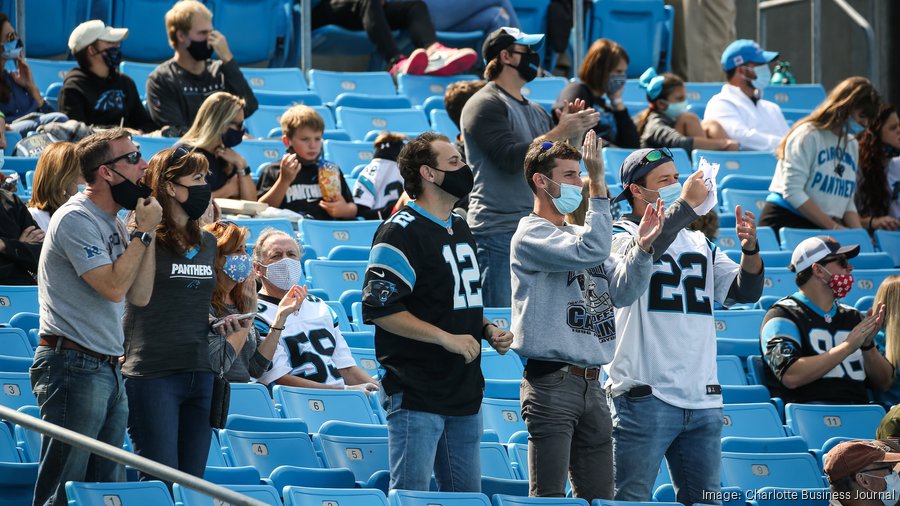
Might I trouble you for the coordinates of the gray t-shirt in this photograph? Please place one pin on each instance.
(497, 130)
(81, 237)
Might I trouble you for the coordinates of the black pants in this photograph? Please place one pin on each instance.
(777, 217)
(378, 19)
(559, 24)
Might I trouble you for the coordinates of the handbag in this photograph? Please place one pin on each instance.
(221, 396)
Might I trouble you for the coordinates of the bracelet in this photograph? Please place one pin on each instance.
(247, 171)
(754, 251)
(276, 328)
(867, 348)
(486, 325)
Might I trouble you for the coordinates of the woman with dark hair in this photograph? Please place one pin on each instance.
(878, 180)
(167, 372)
(602, 77)
(815, 179)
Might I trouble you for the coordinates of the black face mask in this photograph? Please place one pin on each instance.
(891, 151)
(197, 200)
(232, 137)
(200, 50)
(458, 182)
(528, 65)
(112, 57)
(126, 193)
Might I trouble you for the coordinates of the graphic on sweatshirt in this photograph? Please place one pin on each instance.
(594, 314)
(111, 100)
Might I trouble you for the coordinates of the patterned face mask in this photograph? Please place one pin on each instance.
(840, 284)
(238, 267)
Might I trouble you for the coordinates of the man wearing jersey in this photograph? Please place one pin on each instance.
(817, 349)
(380, 185)
(422, 291)
(311, 352)
(666, 398)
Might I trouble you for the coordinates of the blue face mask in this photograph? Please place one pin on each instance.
(569, 197)
(676, 109)
(11, 52)
(668, 194)
(763, 76)
(238, 267)
(82, 187)
(615, 84)
(853, 127)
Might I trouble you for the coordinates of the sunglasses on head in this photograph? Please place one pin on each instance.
(655, 155)
(132, 158)
(176, 156)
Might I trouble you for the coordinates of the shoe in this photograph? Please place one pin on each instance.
(414, 64)
(446, 61)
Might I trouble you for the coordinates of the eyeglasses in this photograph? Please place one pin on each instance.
(177, 154)
(842, 261)
(656, 155)
(132, 158)
(13, 36)
(522, 52)
(881, 468)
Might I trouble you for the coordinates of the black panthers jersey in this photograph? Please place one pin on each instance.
(793, 328)
(426, 266)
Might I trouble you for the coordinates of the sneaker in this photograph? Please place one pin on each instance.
(446, 61)
(414, 64)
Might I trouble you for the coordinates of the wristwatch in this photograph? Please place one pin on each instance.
(246, 171)
(144, 237)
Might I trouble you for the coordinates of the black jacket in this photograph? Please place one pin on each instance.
(18, 260)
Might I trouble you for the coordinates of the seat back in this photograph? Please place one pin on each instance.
(749, 200)
(15, 343)
(47, 72)
(499, 316)
(497, 366)
(139, 73)
(544, 88)
(420, 498)
(335, 276)
(348, 154)
(753, 471)
(502, 416)
(866, 282)
(48, 24)
(441, 122)
(325, 235)
(739, 324)
(308, 496)
(791, 237)
(135, 493)
(317, 406)
(420, 88)
(16, 390)
(637, 25)
(514, 500)
(744, 163)
(17, 299)
(730, 370)
(363, 454)
(495, 462)
(779, 282)
(358, 122)
(260, 151)
(187, 497)
(367, 361)
(796, 96)
(251, 399)
(149, 146)
(752, 420)
(266, 118)
(147, 40)
(267, 450)
(889, 242)
(817, 423)
(329, 84)
(256, 226)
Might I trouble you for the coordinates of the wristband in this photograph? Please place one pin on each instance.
(867, 348)
(247, 170)
(276, 328)
(486, 325)
(754, 251)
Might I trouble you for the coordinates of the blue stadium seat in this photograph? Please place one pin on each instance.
(15, 343)
(610, 502)
(12, 138)
(348, 154)
(889, 242)
(642, 27)
(255, 29)
(749, 200)
(730, 370)
(251, 423)
(779, 259)
(255, 226)
(147, 41)
(544, 88)
(335, 276)
(285, 476)
(787, 444)
(748, 394)
(141, 493)
(20, 164)
(740, 324)
(343, 318)
(349, 253)
(27, 441)
(741, 182)
(791, 237)
(15, 364)
(744, 163)
(47, 72)
(495, 462)
(518, 455)
(349, 297)
(502, 389)
(265, 451)
(216, 457)
(369, 101)
(752, 471)
(418, 498)
(149, 146)
(366, 360)
(187, 497)
(865, 303)
(258, 152)
(358, 322)
(285, 99)
(502, 416)
(361, 448)
(275, 79)
(48, 24)
(308, 496)
(325, 235)
(497, 366)
(796, 96)
(698, 94)
(243, 475)
(752, 420)
(432, 103)
(251, 399)
(779, 282)
(138, 72)
(17, 475)
(764, 235)
(755, 373)
(317, 406)
(513, 500)
(420, 88)
(360, 339)
(866, 282)
(499, 316)
(817, 423)
(532, 15)
(441, 122)
(266, 118)
(359, 122)
(613, 158)
(780, 496)
(330, 84)
(879, 260)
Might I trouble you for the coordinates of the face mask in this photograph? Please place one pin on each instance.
(676, 109)
(232, 137)
(668, 194)
(615, 84)
(853, 127)
(285, 273)
(200, 50)
(112, 57)
(458, 182)
(528, 66)
(12, 50)
(892, 489)
(82, 187)
(840, 284)
(569, 197)
(891, 151)
(763, 76)
(197, 200)
(126, 193)
(237, 267)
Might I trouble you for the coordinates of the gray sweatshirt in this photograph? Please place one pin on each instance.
(565, 287)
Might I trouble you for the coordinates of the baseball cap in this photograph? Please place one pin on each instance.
(816, 248)
(849, 457)
(638, 164)
(744, 51)
(91, 31)
(504, 37)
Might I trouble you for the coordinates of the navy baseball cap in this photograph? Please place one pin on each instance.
(504, 37)
(744, 51)
(638, 164)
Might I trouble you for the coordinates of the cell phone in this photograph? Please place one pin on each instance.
(218, 322)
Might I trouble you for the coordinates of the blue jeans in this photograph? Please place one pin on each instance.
(471, 15)
(492, 254)
(168, 419)
(27, 126)
(87, 396)
(419, 441)
(646, 428)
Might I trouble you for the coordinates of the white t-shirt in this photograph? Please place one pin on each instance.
(667, 339)
(379, 183)
(41, 217)
(757, 127)
(311, 346)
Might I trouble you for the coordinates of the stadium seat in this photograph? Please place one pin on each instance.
(788, 444)
(138, 72)
(216, 457)
(285, 99)
(251, 423)
(306, 477)
(330, 84)
(433, 103)
(17, 299)
(779, 282)
(612, 160)
(360, 339)
(15, 343)
(791, 237)
(741, 182)
(349, 253)
(335, 276)
(47, 72)
(348, 154)
(325, 235)
(752, 471)
(48, 24)
(140, 493)
(441, 122)
(780, 496)
(740, 348)
(255, 226)
(610, 502)
(866, 282)
(749, 200)
(358, 322)
(499, 316)
(15, 364)
(755, 372)
(418, 498)
(502, 389)
(361, 448)
(149, 146)
(359, 122)
(257, 30)
(744, 163)
(744, 394)
(20, 164)
(864, 303)
(513, 500)
(642, 27)
(264, 120)
(518, 455)
(698, 94)
(265, 451)
(243, 475)
(366, 360)
(251, 399)
(368, 101)
(752, 420)
(420, 88)
(730, 370)
(796, 96)
(739, 324)
(308, 496)
(349, 297)
(187, 497)
(495, 462)
(317, 405)
(818, 423)
(275, 79)
(502, 416)
(258, 152)
(889, 242)
(544, 88)
(879, 260)
(17, 475)
(27, 441)
(343, 320)
(497, 366)
(777, 259)
(147, 41)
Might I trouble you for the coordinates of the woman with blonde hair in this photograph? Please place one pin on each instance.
(56, 178)
(888, 339)
(815, 179)
(217, 129)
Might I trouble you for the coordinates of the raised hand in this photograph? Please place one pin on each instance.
(651, 225)
(593, 159)
(745, 225)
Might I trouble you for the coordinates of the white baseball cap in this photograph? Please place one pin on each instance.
(91, 31)
(816, 248)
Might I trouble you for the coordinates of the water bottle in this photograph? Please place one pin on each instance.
(783, 73)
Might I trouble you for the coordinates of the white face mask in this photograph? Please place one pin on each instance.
(891, 493)
(284, 273)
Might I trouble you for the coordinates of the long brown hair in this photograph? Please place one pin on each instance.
(599, 62)
(850, 94)
(872, 195)
(165, 168)
(5, 91)
(57, 168)
(669, 84)
(230, 238)
(889, 294)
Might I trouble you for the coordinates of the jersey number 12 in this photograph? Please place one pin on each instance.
(469, 277)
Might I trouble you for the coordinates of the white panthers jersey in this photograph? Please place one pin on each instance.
(667, 339)
(311, 346)
(378, 184)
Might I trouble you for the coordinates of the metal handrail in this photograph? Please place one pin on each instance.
(121, 456)
(305, 37)
(577, 34)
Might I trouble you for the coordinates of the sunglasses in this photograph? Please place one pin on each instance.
(842, 261)
(656, 155)
(176, 156)
(132, 158)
